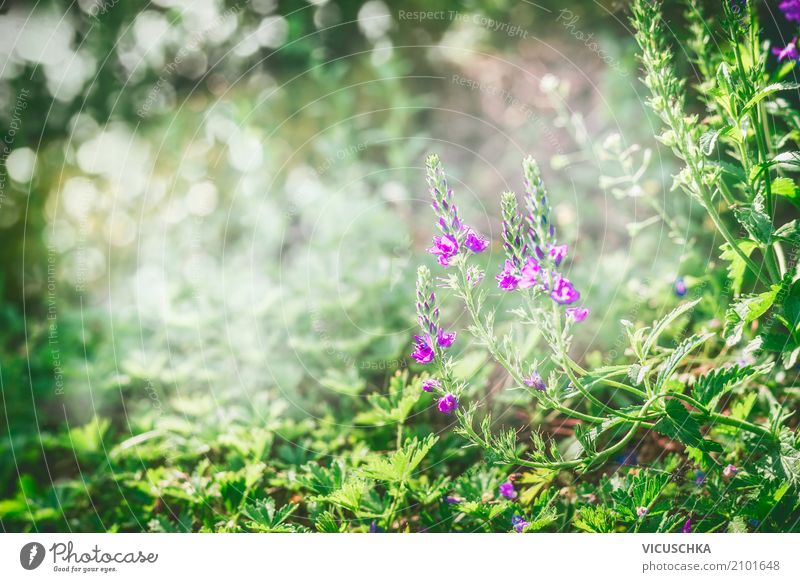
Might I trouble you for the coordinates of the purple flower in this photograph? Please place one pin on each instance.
(558, 252)
(423, 350)
(528, 274)
(445, 247)
(790, 9)
(451, 500)
(518, 523)
(507, 490)
(506, 279)
(729, 471)
(577, 313)
(448, 403)
(474, 242)
(563, 291)
(641, 511)
(374, 528)
(534, 380)
(680, 287)
(687, 527)
(699, 478)
(787, 52)
(430, 384)
(445, 340)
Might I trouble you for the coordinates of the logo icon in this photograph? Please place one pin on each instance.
(31, 555)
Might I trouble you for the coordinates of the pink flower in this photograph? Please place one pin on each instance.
(534, 380)
(447, 404)
(507, 490)
(529, 273)
(506, 279)
(430, 384)
(577, 313)
(474, 242)
(787, 52)
(445, 340)
(641, 511)
(563, 291)
(445, 247)
(729, 471)
(559, 253)
(423, 350)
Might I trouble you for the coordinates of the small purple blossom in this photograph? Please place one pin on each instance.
(699, 478)
(529, 273)
(787, 52)
(474, 242)
(680, 287)
(447, 404)
(518, 523)
(445, 340)
(687, 527)
(558, 253)
(534, 380)
(790, 9)
(577, 314)
(445, 247)
(431, 384)
(507, 490)
(563, 291)
(730, 471)
(641, 511)
(374, 528)
(423, 350)
(506, 279)
(452, 500)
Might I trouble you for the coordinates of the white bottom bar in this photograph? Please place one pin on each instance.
(370, 557)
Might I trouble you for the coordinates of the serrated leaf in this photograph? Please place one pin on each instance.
(664, 322)
(710, 387)
(679, 425)
(736, 265)
(746, 311)
(674, 360)
(755, 220)
(708, 141)
(399, 467)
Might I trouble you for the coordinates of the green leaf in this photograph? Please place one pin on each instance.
(399, 467)
(785, 187)
(686, 347)
(326, 523)
(710, 387)
(679, 425)
(788, 158)
(766, 92)
(598, 519)
(664, 322)
(755, 220)
(265, 518)
(736, 265)
(708, 141)
(789, 232)
(746, 311)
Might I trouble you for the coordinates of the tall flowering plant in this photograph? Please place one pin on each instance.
(608, 406)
